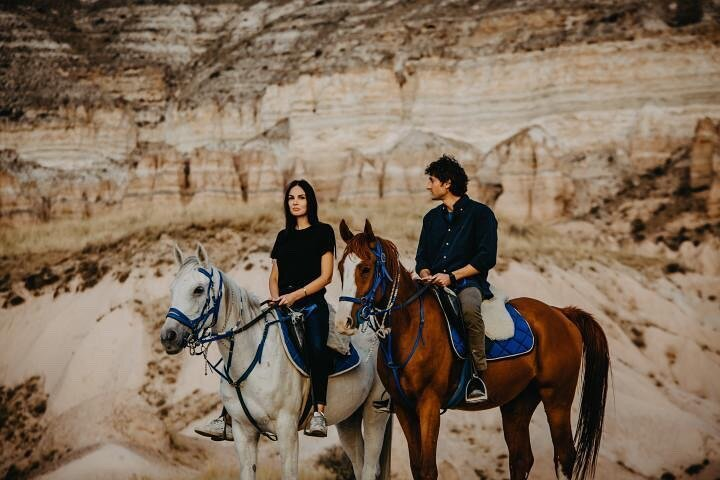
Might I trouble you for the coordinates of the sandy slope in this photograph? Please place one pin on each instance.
(118, 406)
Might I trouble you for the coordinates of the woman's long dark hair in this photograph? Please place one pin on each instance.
(312, 205)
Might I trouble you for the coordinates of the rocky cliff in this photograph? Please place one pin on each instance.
(550, 104)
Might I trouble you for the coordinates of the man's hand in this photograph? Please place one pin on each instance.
(442, 279)
(426, 276)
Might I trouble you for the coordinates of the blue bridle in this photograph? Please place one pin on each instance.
(368, 309)
(198, 324)
(367, 302)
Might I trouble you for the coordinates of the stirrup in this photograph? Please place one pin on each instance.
(478, 393)
(227, 435)
(384, 405)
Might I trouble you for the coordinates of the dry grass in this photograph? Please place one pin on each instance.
(400, 221)
(542, 245)
(396, 219)
(71, 235)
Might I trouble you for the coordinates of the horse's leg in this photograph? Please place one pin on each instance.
(374, 424)
(246, 446)
(428, 409)
(351, 439)
(410, 424)
(287, 434)
(516, 416)
(558, 404)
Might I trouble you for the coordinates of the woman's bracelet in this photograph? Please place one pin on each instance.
(305, 291)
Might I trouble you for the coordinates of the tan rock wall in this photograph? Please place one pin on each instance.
(547, 107)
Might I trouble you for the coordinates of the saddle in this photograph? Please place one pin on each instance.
(452, 310)
(293, 338)
(507, 334)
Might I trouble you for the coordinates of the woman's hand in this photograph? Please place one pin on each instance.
(290, 298)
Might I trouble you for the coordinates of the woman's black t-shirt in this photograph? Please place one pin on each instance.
(298, 254)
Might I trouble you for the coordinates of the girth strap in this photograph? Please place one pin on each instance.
(269, 435)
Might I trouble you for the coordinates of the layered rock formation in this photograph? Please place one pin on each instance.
(551, 104)
(534, 183)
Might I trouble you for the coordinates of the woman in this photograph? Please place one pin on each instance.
(302, 267)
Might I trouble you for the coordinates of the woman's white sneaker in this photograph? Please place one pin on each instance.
(317, 426)
(216, 429)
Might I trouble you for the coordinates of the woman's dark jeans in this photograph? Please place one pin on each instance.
(316, 350)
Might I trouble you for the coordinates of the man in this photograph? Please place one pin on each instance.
(457, 248)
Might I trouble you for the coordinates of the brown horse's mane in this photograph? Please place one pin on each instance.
(361, 245)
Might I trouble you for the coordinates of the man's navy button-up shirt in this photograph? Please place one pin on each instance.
(452, 240)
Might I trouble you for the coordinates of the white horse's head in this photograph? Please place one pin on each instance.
(191, 295)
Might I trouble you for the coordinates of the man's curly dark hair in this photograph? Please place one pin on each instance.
(447, 168)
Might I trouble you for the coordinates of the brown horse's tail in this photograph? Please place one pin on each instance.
(594, 391)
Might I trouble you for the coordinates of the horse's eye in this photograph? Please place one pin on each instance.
(364, 270)
(198, 290)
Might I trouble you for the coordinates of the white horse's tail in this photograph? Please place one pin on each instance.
(386, 451)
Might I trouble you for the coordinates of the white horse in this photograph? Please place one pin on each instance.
(274, 393)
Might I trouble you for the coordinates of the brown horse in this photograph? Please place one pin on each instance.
(549, 373)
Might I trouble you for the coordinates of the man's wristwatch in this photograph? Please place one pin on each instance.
(453, 280)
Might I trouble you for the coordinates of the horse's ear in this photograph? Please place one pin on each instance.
(178, 255)
(202, 255)
(345, 232)
(369, 231)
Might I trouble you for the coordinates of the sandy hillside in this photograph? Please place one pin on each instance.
(88, 391)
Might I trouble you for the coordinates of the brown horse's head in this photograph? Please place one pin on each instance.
(357, 268)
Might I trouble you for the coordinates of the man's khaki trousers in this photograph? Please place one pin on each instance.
(470, 300)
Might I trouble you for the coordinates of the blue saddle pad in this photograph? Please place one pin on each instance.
(341, 363)
(521, 343)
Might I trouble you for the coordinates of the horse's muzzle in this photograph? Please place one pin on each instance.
(174, 340)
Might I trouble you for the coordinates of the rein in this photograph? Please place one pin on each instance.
(369, 313)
